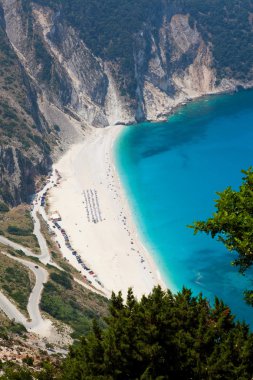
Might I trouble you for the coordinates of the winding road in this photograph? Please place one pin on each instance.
(35, 323)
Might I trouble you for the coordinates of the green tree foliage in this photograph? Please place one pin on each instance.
(13, 371)
(233, 221)
(48, 372)
(17, 374)
(164, 336)
(226, 25)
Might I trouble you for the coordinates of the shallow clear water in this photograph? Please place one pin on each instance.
(171, 172)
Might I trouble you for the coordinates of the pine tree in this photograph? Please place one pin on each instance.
(164, 336)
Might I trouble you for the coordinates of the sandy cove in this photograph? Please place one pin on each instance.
(97, 218)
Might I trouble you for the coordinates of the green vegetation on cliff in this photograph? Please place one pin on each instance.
(16, 281)
(227, 26)
(17, 225)
(69, 302)
(24, 137)
(3, 207)
(16, 118)
(110, 28)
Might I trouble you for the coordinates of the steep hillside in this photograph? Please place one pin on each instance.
(123, 61)
(24, 148)
(71, 63)
(227, 27)
(111, 30)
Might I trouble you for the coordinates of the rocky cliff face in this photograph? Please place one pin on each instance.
(18, 173)
(24, 148)
(71, 84)
(78, 82)
(173, 63)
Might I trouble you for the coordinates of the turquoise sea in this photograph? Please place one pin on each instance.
(171, 172)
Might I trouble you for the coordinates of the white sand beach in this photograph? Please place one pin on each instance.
(97, 218)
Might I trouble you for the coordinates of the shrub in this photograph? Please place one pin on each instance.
(14, 230)
(4, 207)
(62, 278)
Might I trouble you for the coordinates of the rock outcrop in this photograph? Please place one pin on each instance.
(69, 85)
(173, 63)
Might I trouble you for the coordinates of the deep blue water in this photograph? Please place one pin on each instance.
(172, 171)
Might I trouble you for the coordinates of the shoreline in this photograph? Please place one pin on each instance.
(96, 215)
(145, 251)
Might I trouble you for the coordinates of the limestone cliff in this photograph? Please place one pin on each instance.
(172, 62)
(24, 148)
(72, 79)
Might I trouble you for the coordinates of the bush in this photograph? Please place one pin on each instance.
(17, 328)
(3, 207)
(14, 230)
(28, 360)
(62, 278)
(57, 128)
(62, 305)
